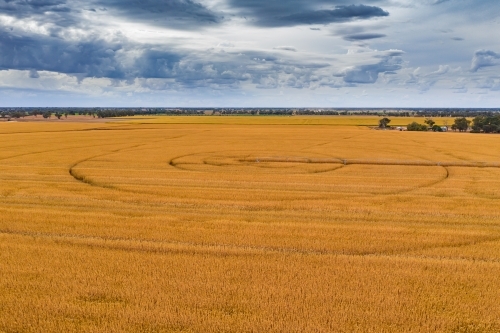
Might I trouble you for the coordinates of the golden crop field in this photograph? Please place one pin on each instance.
(247, 224)
(283, 120)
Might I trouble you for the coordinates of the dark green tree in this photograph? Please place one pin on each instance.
(486, 124)
(462, 124)
(429, 122)
(414, 126)
(382, 123)
(437, 128)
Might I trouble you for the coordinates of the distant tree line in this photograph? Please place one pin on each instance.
(425, 113)
(485, 120)
(460, 124)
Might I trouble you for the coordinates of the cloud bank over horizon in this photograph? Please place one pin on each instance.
(250, 53)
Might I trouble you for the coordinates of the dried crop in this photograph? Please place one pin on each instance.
(227, 226)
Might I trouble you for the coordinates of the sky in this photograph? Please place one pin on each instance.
(250, 53)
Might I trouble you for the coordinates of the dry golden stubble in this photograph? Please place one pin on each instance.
(177, 227)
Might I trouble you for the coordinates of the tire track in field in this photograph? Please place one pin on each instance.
(112, 128)
(473, 190)
(52, 150)
(58, 149)
(172, 247)
(424, 145)
(487, 239)
(330, 142)
(428, 185)
(244, 156)
(66, 131)
(83, 179)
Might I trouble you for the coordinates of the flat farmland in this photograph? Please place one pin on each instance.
(247, 224)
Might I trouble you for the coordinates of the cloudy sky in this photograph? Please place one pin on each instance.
(293, 53)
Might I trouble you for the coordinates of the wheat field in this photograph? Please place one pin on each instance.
(247, 224)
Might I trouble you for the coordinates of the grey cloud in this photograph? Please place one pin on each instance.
(484, 58)
(23, 8)
(458, 39)
(264, 70)
(492, 84)
(179, 14)
(34, 74)
(156, 67)
(94, 58)
(364, 36)
(392, 53)
(286, 48)
(157, 64)
(425, 81)
(97, 58)
(349, 30)
(56, 12)
(160, 65)
(441, 71)
(326, 16)
(369, 73)
(303, 12)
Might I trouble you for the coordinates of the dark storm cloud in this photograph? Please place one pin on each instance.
(159, 68)
(339, 14)
(273, 13)
(26, 8)
(179, 14)
(364, 36)
(56, 12)
(93, 58)
(325, 16)
(190, 14)
(157, 64)
(126, 61)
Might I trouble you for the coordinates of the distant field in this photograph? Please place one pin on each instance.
(208, 224)
(281, 120)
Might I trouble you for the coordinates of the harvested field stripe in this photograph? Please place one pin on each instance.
(167, 247)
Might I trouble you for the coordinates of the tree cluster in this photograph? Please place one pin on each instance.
(414, 126)
(461, 124)
(13, 114)
(486, 124)
(114, 113)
